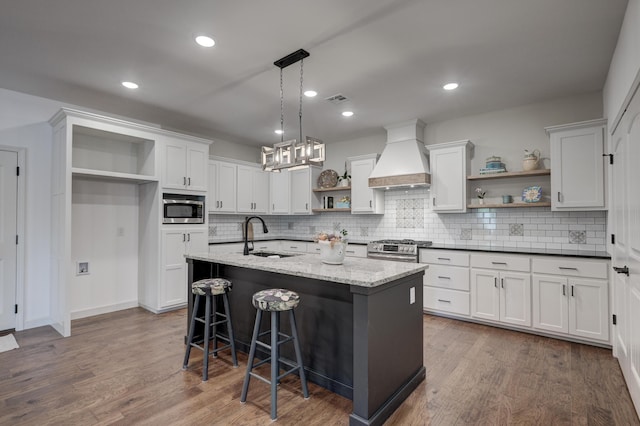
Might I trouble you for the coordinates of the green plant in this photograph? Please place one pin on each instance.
(345, 175)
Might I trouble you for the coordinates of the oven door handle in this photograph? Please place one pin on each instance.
(400, 258)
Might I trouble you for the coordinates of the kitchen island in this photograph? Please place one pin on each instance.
(360, 323)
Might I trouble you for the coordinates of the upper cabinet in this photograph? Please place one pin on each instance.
(280, 192)
(450, 164)
(577, 166)
(253, 190)
(185, 165)
(222, 187)
(363, 198)
(303, 181)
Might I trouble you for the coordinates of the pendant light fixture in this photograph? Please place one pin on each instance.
(298, 152)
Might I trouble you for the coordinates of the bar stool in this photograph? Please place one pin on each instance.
(211, 289)
(275, 301)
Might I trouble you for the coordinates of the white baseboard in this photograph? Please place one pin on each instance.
(103, 309)
(37, 323)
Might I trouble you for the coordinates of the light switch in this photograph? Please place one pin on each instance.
(412, 295)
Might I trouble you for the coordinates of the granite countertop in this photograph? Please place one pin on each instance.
(515, 250)
(354, 271)
(308, 240)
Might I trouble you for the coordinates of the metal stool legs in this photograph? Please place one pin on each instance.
(274, 358)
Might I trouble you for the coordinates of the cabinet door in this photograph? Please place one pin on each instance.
(577, 180)
(197, 159)
(226, 187)
(244, 197)
(485, 295)
(173, 288)
(448, 180)
(363, 198)
(212, 193)
(175, 165)
(280, 191)
(300, 191)
(550, 304)
(197, 240)
(260, 191)
(515, 298)
(589, 308)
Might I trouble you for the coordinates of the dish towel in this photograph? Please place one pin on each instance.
(8, 342)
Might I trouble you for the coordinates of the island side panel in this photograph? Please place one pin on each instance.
(324, 317)
(388, 348)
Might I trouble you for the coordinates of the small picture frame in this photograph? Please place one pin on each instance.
(82, 268)
(329, 202)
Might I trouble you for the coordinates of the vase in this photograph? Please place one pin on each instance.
(332, 252)
(344, 182)
(480, 200)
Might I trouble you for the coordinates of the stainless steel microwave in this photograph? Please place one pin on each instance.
(182, 209)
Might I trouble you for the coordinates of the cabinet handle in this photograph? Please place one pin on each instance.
(189, 181)
(188, 237)
(564, 290)
(217, 204)
(502, 282)
(184, 238)
(572, 291)
(293, 247)
(370, 203)
(498, 263)
(444, 300)
(274, 207)
(558, 196)
(351, 251)
(568, 268)
(444, 258)
(434, 201)
(306, 206)
(444, 278)
(220, 204)
(495, 282)
(184, 180)
(622, 270)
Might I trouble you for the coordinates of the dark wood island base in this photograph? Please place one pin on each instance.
(363, 343)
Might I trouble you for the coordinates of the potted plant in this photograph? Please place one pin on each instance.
(345, 179)
(332, 247)
(481, 193)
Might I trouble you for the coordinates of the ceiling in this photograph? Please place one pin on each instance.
(388, 58)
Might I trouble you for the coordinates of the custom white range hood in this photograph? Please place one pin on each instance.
(404, 161)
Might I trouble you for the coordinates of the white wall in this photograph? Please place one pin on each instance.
(105, 234)
(625, 65)
(223, 148)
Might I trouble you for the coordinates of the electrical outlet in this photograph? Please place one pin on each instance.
(120, 231)
(82, 268)
(412, 295)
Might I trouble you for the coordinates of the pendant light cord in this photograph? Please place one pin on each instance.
(281, 109)
(300, 110)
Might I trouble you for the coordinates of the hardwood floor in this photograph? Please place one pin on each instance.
(125, 368)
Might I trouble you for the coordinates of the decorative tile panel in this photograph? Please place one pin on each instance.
(577, 237)
(516, 230)
(466, 234)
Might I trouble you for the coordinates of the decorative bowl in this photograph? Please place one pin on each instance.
(332, 252)
(328, 179)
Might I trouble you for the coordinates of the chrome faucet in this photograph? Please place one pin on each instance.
(246, 232)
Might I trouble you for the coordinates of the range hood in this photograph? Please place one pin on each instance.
(404, 161)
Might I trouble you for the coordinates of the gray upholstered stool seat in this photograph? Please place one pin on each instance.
(275, 301)
(210, 289)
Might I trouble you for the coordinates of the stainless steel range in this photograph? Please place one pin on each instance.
(398, 250)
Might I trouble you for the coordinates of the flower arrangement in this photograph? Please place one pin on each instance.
(331, 238)
(480, 193)
(345, 199)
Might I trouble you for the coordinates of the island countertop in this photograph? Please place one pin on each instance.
(354, 271)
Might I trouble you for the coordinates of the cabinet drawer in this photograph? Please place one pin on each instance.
(356, 250)
(501, 262)
(444, 257)
(297, 246)
(454, 301)
(449, 277)
(313, 248)
(570, 267)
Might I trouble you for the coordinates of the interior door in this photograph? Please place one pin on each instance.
(8, 232)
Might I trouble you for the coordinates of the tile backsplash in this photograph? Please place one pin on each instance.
(408, 215)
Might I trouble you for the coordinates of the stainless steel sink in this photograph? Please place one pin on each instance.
(271, 254)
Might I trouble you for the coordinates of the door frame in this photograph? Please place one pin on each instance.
(20, 228)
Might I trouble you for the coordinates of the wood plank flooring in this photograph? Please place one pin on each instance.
(125, 368)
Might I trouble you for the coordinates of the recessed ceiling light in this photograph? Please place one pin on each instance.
(205, 41)
(278, 132)
(450, 86)
(129, 84)
(310, 93)
(347, 113)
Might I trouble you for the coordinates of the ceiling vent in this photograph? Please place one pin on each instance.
(337, 99)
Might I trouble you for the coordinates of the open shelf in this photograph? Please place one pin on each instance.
(335, 188)
(509, 206)
(114, 176)
(330, 210)
(541, 172)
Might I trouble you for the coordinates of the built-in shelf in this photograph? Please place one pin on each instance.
(330, 210)
(508, 206)
(335, 188)
(114, 176)
(541, 172)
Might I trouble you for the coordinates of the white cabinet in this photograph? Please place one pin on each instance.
(222, 187)
(499, 293)
(446, 281)
(267, 245)
(577, 166)
(363, 198)
(252, 190)
(303, 201)
(295, 246)
(184, 165)
(280, 192)
(176, 242)
(450, 164)
(574, 303)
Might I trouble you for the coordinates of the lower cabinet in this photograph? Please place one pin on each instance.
(446, 282)
(177, 242)
(501, 296)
